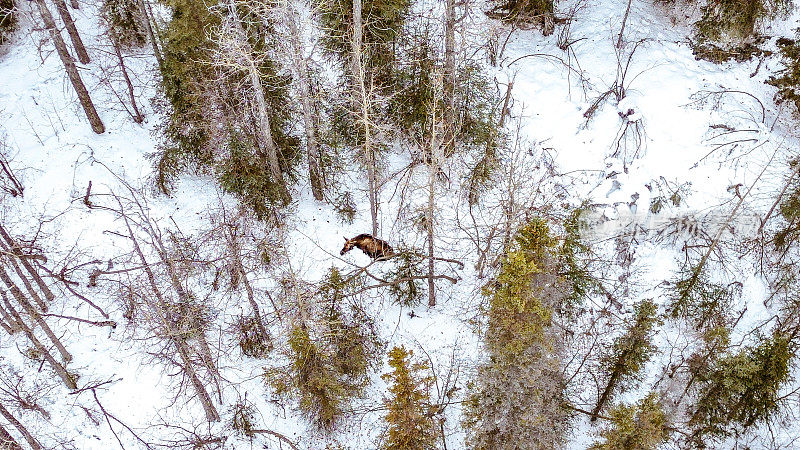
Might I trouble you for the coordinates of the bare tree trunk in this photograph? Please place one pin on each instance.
(72, 31)
(236, 253)
(253, 304)
(6, 321)
(263, 128)
(184, 353)
(363, 100)
(26, 305)
(72, 70)
(16, 249)
(208, 405)
(7, 441)
(433, 169)
(612, 382)
(450, 114)
(301, 72)
(13, 421)
(265, 134)
(210, 364)
(430, 210)
(148, 25)
(371, 176)
(60, 370)
(183, 295)
(138, 117)
(624, 21)
(28, 287)
(16, 187)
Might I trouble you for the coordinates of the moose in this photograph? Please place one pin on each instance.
(373, 247)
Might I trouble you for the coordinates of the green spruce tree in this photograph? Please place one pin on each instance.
(227, 103)
(330, 356)
(734, 22)
(629, 353)
(538, 12)
(383, 22)
(741, 390)
(125, 22)
(411, 425)
(642, 426)
(188, 141)
(518, 394)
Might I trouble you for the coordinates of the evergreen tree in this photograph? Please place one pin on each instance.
(417, 100)
(188, 141)
(321, 391)
(701, 302)
(125, 22)
(411, 425)
(707, 308)
(326, 372)
(741, 390)
(406, 279)
(787, 235)
(538, 12)
(228, 104)
(330, 356)
(362, 37)
(734, 22)
(629, 353)
(382, 21)
(642, 426)
(575, 255)
(518, 393)
(787, 80)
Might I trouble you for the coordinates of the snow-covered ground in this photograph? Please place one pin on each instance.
(670, 106)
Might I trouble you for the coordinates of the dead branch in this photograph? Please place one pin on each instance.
(281, 437)
(102, 323)
(16, 188)
(23, 431)
(109, 416)
(61, 276)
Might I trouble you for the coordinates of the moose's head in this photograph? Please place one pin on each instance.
(348, 245)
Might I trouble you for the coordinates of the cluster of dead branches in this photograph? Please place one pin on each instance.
(159, 298)
(8, 180)
(25, 302)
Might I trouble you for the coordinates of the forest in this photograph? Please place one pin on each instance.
(399, 224)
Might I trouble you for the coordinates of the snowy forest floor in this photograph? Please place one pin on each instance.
(667, 136)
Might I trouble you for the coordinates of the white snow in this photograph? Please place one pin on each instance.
(669, 107)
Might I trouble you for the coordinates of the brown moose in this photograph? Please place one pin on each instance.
(373, 247)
